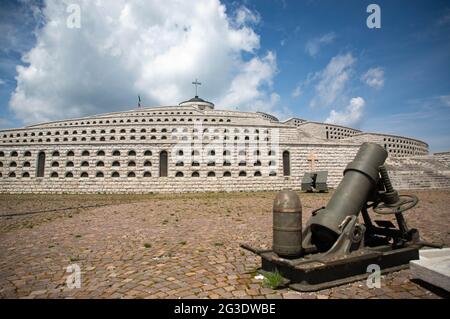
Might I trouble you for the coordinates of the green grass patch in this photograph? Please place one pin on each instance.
(273, 280)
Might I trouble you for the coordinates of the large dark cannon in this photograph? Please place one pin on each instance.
(360, 180)
(334, 247)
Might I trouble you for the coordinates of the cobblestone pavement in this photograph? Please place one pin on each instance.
(180, 246)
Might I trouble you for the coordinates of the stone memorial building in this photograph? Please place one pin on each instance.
(194, 147)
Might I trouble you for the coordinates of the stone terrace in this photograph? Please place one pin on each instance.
(161, 246)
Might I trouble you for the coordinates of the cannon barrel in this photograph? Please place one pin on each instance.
(360, 179)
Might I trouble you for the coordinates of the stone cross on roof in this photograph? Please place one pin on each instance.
(196, 83)
(312, 157)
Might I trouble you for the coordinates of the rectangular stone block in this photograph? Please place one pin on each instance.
(433, 267)
(307, 182)
(321, 181)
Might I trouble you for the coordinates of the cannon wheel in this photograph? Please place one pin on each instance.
(405, 202)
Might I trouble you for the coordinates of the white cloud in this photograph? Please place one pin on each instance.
(297, 92)
(245, 16)
(374, 78)
(332, 80)
(2, 82)
(445, 99)
(16, 20)
(313, 46)
(352, 114)
(245, 89)
(124, 49)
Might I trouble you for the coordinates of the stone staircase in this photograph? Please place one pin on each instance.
(420, 172)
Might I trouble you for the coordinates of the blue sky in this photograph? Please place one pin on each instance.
(311, 59)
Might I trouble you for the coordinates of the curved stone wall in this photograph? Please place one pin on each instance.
(207, 150)
(397, 146)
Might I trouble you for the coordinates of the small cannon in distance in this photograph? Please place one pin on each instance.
(335, 247)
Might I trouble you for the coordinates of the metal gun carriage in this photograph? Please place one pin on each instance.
(335, 247)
